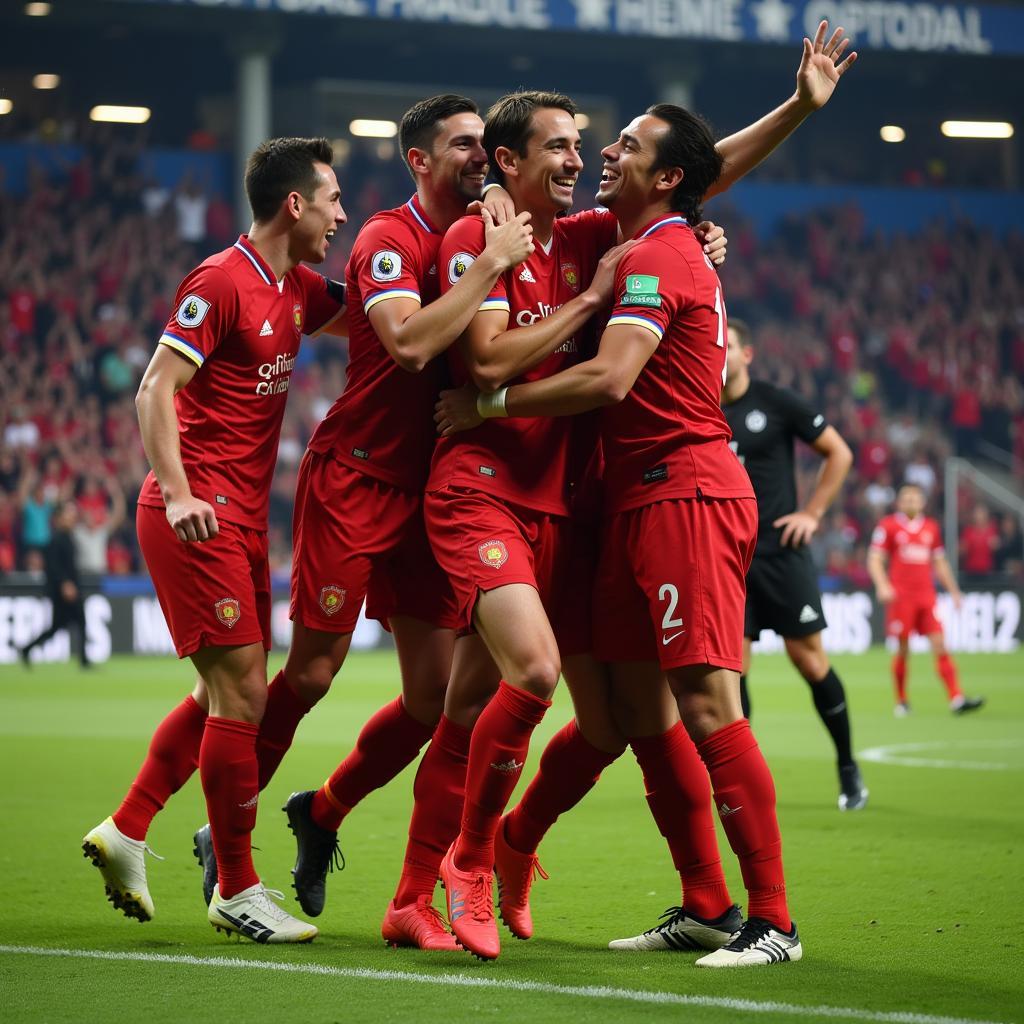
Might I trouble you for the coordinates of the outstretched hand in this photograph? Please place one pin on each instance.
(821, 66)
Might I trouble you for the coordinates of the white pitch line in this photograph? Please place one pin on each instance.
(505, 985)
(896, 754)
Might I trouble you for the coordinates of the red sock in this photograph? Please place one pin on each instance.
(172, 758)
(230, 774)
(389, 742)
(899, 675)
(285, 709)
(745, 795)
(497, 753)
(679, 796)
(569, 768)
(438, 792)
(947, 670)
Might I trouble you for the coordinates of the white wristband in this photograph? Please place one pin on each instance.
(488, 186)
(491, 406)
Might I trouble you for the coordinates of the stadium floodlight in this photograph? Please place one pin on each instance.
(46, 81)
(892, 133)
(582, 122)
(37, 10)
(119, 115)
(6, 106)
(367, 128)
(977, 129)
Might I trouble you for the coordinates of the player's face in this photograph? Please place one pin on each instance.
(546, 177)
(628, 173)
(737, 358)
(910, 501)
(457, 159)
(321, 217)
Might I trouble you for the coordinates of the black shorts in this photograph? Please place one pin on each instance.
(783, 595)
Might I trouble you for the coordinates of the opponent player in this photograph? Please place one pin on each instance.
(210, 409)
(910, 542)
(782, 585)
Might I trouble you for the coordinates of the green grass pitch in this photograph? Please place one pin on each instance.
(910, 907)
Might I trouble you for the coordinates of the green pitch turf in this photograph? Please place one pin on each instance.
(910, 907)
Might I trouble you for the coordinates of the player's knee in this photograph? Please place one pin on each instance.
(425, 705)
(539, 676)
(312, 681)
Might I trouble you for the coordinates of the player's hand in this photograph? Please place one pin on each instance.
(712, 237)
(603, 285)
(69, 591)
(456, 411)
(958, 599)
(884, 592)
(497, 202)
(797, 528)
(821, 68)
(510, 243)
(192, 519)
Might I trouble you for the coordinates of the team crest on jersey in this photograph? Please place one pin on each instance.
(571, 276)
(192, 311)
(386, 265)
(756, 421)
(493, 553)
(228, 610)
(332, 599)
(458, 265)
(297, 316)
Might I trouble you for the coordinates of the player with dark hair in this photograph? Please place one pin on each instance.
(911, 543)
(782, 585)
(564, 777)
(210, 408)
(358, 528)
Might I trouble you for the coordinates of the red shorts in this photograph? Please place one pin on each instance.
(484, 543)
(213, 594)
(671, 585)
(354, 537)
(909, 614)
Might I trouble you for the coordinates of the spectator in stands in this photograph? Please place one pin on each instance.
(101, 511)
(1010, 552)
(978, 543)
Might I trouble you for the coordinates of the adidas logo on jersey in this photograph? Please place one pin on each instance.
(266, 329)
(527, 275)
(808, 614)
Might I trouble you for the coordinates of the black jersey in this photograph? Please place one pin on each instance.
(764, 422)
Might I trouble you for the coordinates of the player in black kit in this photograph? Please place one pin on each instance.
(782, 585)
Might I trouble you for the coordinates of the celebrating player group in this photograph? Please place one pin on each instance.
(528, 476)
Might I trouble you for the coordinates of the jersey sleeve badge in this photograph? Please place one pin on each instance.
(641, 290)
(458, 265)
(385, 266)
(192, 311)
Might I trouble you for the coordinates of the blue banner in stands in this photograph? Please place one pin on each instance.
(872, 24)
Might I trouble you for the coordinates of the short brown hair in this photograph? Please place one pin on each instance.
(421, 123)
(509, 122)
(278, 167)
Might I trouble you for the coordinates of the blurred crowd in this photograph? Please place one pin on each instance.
(913, 348)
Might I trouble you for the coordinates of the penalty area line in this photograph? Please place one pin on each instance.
(451, 980)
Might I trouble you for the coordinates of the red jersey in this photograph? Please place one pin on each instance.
(523, 461)
(912, 545)
(383, 423)
(668, 438)
(242, 329)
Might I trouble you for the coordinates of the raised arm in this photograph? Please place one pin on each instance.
(819, 72)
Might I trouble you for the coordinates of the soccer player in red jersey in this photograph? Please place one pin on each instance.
(577, 763)
(681, 512)
(210, 409)
(911, 543)
(358, 524)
